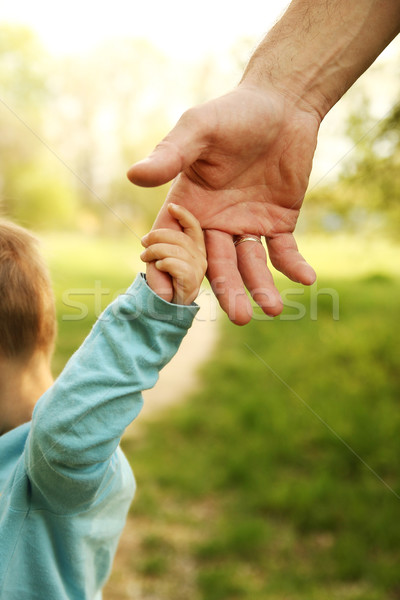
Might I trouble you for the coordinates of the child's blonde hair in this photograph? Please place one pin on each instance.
(27, 310)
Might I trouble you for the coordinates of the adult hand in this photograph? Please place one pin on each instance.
(242, 164)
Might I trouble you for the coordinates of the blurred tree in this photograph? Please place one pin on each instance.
(39, 198)
(72, 126)
(23, 95)
(367, 192)
(23, 65)
(109, 103)
(33, 189)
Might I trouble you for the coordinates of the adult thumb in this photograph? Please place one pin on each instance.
(177, 151)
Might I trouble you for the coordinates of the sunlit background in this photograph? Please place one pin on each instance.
(279, 479)
(89, 88)
(101, 83)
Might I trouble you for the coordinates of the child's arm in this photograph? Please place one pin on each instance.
(78, 422)
(181, 254)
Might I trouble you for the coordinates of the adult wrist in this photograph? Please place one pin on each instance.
(294, 93)
(318, 50)
(295, 71)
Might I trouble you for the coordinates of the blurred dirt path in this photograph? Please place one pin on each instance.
(179, 377)
(176, 380)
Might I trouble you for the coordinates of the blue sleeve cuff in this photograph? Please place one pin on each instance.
(139, 299)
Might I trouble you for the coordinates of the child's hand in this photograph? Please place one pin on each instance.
(181, 254)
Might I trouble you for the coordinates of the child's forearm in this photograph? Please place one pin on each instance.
(78, 423)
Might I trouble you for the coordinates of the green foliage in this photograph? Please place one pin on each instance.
(23, 69)
(35, 189)
(36, 197)
(87, 274)
(366, 194)
(138, 206)
(73, 125)
(71, 128)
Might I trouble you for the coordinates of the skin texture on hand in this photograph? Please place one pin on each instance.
(241, 164)
(179, 254)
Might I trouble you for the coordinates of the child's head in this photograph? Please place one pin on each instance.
(27, 311)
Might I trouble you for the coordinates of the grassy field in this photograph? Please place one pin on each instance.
(279, 478)
(87, 274)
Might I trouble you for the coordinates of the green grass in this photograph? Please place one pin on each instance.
(279, 478)
(281, 464)
(87, 274)
(348, 256)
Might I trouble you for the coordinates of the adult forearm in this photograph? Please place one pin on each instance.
(319, 48)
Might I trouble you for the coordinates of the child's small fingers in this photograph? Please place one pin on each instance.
(177, 238)
(188, 222)
(165, 236)
(177, 268)
(163, 250)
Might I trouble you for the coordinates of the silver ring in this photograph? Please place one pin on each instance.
(248, 237)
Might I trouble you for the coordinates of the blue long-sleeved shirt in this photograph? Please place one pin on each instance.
(65, 485)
